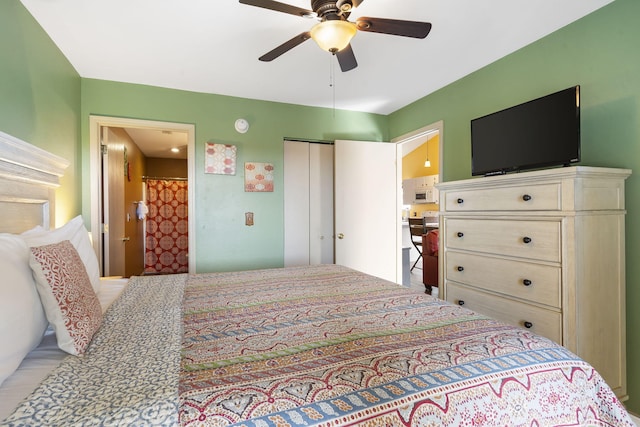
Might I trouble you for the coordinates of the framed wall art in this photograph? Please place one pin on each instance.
(220, 159)
(258, 177)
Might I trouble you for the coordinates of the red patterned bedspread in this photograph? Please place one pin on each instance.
(328, 346)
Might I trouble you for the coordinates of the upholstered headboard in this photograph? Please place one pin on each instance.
(28, 179)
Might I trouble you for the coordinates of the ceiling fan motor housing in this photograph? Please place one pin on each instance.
(324, 8)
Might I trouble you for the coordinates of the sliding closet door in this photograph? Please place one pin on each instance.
(321, 204)
(308, 203)
(296, 203)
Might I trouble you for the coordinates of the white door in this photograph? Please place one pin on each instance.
(321, 204)
(296, 203)
(113, 206)
(366, 208)
(308, 203)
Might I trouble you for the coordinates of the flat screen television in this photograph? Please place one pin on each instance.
(539, 133)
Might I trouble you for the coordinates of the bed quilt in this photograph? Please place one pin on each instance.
(129, 373)
(329, 346)
(315, 346)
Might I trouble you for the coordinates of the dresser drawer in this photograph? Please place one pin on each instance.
(539, 240)
(547, 323)
(529, 197)
(524, 280)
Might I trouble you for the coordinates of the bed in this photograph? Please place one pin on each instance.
(306, 346)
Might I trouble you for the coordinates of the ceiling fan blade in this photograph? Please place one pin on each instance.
(279, 7)
(346, 59)
(418, 30)
(285, 47)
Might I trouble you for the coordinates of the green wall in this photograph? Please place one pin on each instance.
(223, 242)
(601, 52)
(40, 97)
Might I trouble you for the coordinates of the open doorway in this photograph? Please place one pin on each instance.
(115, 217)
(420, 169)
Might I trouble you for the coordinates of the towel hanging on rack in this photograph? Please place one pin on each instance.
(142, 210)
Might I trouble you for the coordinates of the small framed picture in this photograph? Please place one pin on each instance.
(258, 177)
(220, 159)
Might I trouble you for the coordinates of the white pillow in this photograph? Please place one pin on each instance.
(22, 318)
(70, 303)
(77, 234)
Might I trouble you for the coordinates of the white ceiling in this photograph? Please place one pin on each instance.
(158, 143)
(212, 46)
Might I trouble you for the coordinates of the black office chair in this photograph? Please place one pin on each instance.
(416, 230)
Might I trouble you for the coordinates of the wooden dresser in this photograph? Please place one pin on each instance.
(544, 250)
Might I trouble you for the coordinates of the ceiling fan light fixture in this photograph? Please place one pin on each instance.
(333, 35)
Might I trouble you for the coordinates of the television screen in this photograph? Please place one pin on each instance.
(542, 132)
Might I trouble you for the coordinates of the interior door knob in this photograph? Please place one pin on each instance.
(340, 236)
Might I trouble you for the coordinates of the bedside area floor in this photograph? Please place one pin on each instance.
(416, 282)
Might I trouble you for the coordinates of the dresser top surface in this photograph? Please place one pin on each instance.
(544, 175)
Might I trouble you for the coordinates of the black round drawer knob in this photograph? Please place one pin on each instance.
(526, 239)
(460, 201)
(460, 234)
(526, 282)
(526, 197)
(528, 325)
(460, 268)
(460, 302)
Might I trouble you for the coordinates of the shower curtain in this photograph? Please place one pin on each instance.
(167, 239)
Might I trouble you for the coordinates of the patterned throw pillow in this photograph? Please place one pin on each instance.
(77, 234)
(71, 305)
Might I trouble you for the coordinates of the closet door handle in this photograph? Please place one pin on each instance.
(526, 197)
(528, 325)
(526, 240)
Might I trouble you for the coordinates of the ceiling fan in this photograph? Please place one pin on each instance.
(334, 31)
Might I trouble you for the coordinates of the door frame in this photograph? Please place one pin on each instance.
(96, 123)
(415, 137)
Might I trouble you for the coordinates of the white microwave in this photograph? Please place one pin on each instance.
(425, 195)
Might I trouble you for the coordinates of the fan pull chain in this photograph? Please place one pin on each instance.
(332, 81)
